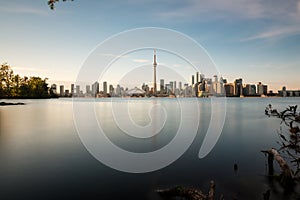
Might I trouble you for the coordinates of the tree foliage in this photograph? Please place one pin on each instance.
(51, 3)
(289, 137)
(13, 86)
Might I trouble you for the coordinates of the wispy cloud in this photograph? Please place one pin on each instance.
(113, 55)
(31, 69)
(221, 9)
(177, 65)
(275, 33)
(140, 60)
(285, 15)
(24, 9)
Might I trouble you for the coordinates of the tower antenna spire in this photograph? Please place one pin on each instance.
(154, 77)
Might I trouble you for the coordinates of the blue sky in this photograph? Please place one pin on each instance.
(257, 40)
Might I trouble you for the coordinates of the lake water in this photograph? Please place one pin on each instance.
(42, 156)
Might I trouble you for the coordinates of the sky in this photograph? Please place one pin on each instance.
(257, 40)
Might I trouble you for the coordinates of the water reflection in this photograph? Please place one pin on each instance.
(42, 156)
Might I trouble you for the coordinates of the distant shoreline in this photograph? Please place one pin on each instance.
(10, 104)
(28, 98)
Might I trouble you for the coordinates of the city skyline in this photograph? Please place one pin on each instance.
(200, 86)
(255, 40)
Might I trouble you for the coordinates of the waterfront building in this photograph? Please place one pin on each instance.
(238, 87)
(135, 92)
(118, 91)
(171, 87)
(288, 93)
(88, 90)
(262, 89)
(111, 90)
(193, 79)
(174, 86)
(95, 89)
(61, 90)
(104, 88)
(78, 90)
(229, 89)
(180, 85)
(72, 89)
(53, 89)
(162, 84)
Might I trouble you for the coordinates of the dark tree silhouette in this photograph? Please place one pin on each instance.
(13, 86)
(51, 3)
(289, 137)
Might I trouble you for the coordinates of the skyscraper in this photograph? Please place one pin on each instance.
(162, 84)
(193, 79)
(154, 66)
(105, 88)
(197, 77)
(111, 90)
(77, 90)
(171, 86)
(174, 86)
(72, 89)
(238, 87)
(88, 89)
(95, 88)
(180, 85)
(61, 90)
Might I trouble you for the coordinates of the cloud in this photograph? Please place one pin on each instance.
(177, 65)
(275, 33)
(140, 60)
(233, 10)
(112, 55)
(31, 69)
(23, 9)
(220, 9)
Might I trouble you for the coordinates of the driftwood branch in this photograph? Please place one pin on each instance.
(188, 193)
(285, 169)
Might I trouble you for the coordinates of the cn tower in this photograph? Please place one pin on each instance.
(154, 66)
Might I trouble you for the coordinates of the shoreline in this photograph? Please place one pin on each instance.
(11, 104)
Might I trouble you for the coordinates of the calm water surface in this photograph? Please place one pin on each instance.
(42, 157)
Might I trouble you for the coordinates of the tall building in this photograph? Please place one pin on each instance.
(53, 89)
(118, 91)
(111, 90)
(171, 86)
(238, 87)
(229, 89)
(193, 79)
(265, 89)
(162, 84)
(154, 78)
(175, 87)
(78, 90)
(262, 89)
(88, 89)
(61, 90)
(95, 88)
(72, 89)
(105, 88)
(180, 85)
(197, 77)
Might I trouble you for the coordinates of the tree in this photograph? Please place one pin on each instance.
(288, 154)
(51, 3)
(6, 75)
(13, 86)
